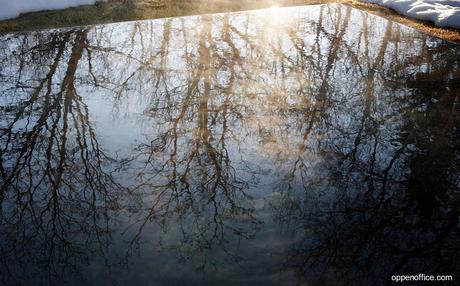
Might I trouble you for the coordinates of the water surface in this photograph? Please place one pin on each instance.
(314, 145)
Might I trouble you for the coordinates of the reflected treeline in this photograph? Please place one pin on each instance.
(347, 124)
(57, 189)
(373, 191)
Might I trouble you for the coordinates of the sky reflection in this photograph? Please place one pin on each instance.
(315, 144)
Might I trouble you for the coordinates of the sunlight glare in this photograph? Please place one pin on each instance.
(274, 16)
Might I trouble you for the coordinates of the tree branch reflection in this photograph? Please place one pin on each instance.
(171, 133)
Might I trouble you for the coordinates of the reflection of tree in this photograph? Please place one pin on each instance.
(56, 184)
(381, 198)
(187, 168)
(334, 115)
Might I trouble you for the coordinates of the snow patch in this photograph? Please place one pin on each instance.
(443, 13)
(12, 8)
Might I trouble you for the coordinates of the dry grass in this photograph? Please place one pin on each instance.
(124, 10)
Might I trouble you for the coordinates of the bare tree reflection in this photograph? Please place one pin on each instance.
(187, 168)
(381, 198)
(345, 123)
(57, 186)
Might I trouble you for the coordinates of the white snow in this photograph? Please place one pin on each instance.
(443, 13)
(12, 8)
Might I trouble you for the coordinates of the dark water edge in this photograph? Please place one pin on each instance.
(314, 145)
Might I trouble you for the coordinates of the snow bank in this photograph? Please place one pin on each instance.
(444, 13)
(12, 8)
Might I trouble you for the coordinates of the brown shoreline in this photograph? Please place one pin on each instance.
(126, 10)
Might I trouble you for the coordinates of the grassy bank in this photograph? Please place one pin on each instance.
(125, 10)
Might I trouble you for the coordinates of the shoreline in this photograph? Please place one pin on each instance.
(131, 10)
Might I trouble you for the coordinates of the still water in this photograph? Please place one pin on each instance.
(315, 145)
